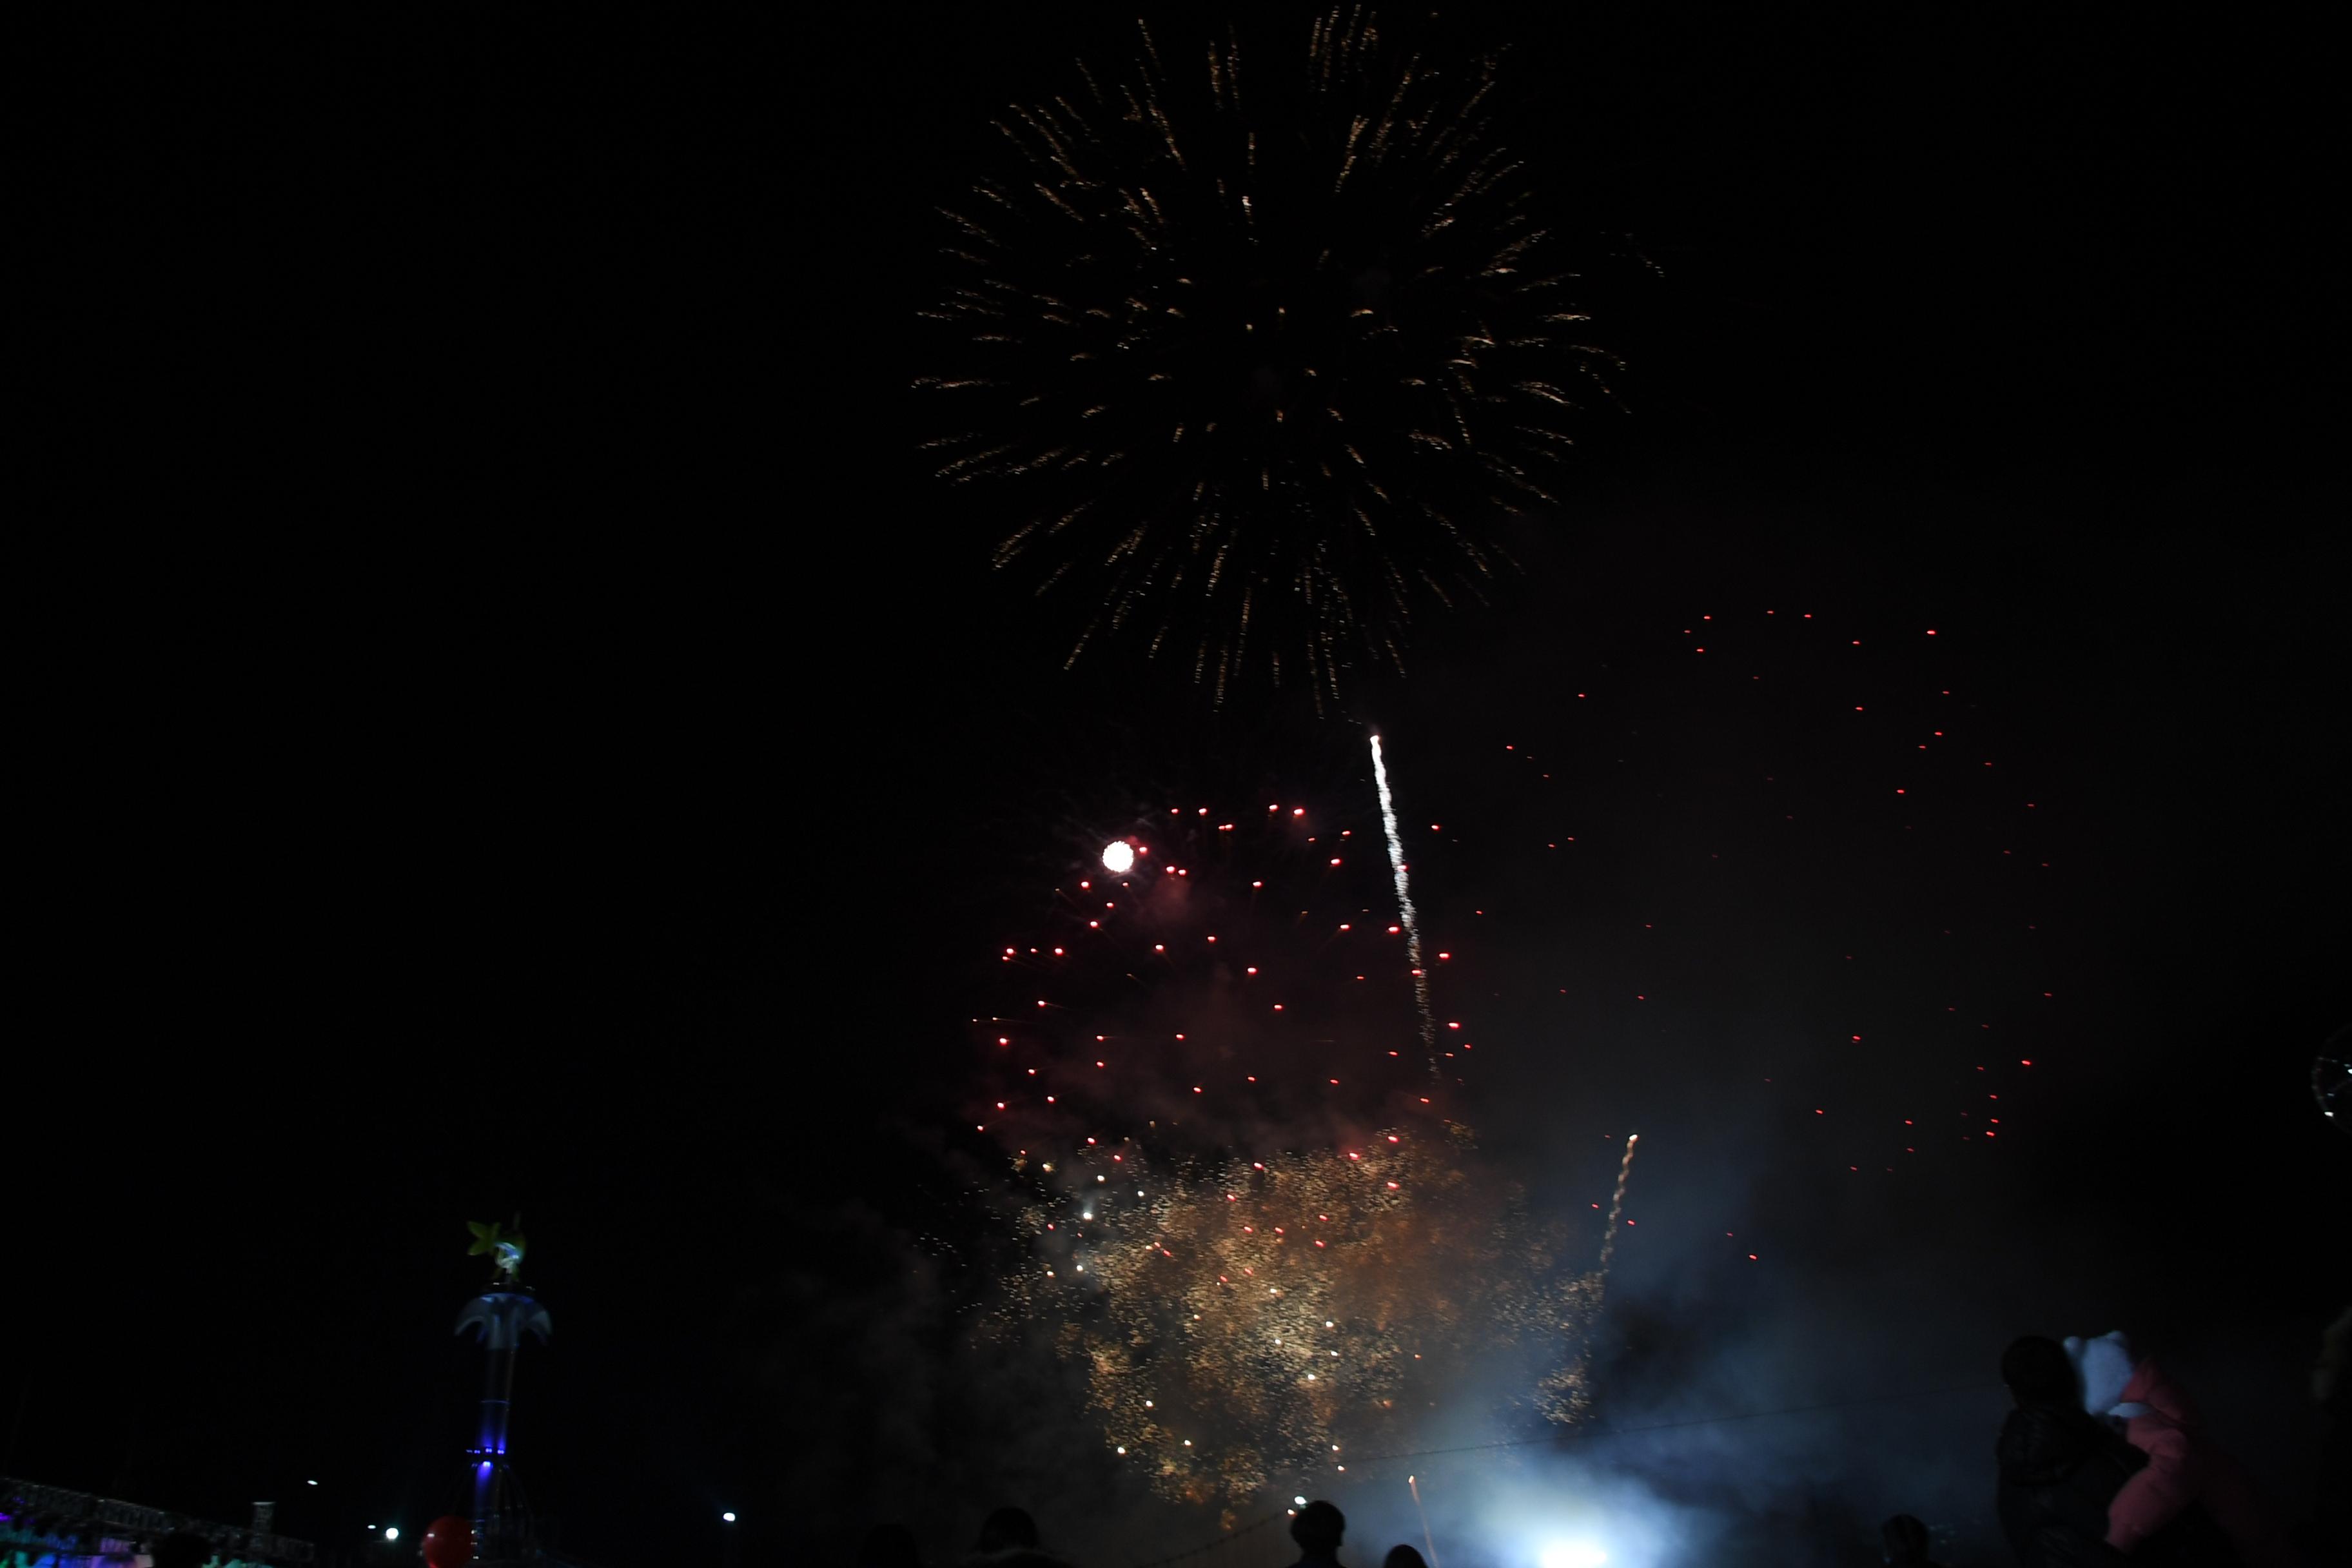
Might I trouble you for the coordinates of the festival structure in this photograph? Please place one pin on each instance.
(498, 1527)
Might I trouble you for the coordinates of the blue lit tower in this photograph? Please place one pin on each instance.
(500, 1316)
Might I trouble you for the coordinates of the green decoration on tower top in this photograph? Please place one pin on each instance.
(506, 1247)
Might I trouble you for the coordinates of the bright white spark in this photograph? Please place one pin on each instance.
(1119, 856)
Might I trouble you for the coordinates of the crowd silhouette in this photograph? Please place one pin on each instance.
(2102, 1461)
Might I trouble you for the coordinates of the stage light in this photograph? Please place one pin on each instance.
(391, 1532)
(1572, 1554)
(728, 1517)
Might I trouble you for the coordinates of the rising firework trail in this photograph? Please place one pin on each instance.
(1412, 1484)
(1407, 916)
(1616, 1210)
(1561, 1393)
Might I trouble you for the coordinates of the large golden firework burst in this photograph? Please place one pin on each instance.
(1241, 1323)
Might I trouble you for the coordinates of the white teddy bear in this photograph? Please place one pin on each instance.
(2106, 1366)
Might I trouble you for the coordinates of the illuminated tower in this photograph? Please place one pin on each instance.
(500, 1316)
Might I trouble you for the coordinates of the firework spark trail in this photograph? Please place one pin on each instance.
(1563, 1390)
(1616, 1209)
(1412, 1483)
(1407, 916)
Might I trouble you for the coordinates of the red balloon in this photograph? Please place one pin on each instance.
(448, 1542)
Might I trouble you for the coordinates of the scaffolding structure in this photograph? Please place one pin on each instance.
(76, 1527)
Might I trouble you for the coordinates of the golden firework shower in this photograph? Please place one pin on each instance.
(1243, 1322)
(1260, 350)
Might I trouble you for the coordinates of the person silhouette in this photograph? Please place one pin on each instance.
(2185, 1468)
(1318, 1528)
(2058, 1467)
(1008, 1539)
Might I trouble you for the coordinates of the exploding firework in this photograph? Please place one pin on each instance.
(1240, 1321)
(1245, 1214)
(1246, 972)
(1264, 349)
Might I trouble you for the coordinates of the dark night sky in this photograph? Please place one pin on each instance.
(520, 733)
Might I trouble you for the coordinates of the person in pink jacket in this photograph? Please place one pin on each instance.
(2183, 1466)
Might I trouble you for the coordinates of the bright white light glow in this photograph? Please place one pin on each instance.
(1572, 1554)
(728, 1517)
(1119, 856)
(1299, 1501)
(391, 1532)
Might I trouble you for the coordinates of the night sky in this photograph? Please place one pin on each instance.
(519, 729)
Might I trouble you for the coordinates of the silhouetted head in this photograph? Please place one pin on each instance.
(2039, 1372)
(1008, 1527)
(182, 1550)
(1319, 1528)
(1906, 1538)
(1403, 1557)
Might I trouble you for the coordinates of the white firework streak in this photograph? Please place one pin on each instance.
(1407, 916)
